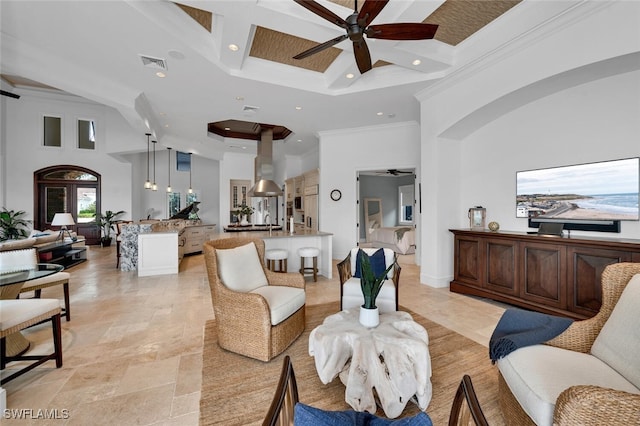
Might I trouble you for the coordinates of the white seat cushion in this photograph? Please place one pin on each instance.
(17, 311)
(283, 301)
(352, 295)
(618, 343)
(58, 276)
(276, 254)
(308, 251)
(537, 374)
(240, 268)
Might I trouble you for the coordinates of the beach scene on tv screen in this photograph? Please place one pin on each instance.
(596, 191)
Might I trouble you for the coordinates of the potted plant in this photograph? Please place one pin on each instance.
(106, 222)
(243, 213)
(371, 284)
(12, 227)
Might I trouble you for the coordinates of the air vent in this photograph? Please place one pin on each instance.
(250, 109)
(151, 62)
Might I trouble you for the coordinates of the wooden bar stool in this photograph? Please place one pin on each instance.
(279, 255)
(312, 252)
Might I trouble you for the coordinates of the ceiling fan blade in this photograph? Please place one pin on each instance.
(370, 9)
(363, 57)
(323, 12)
(406, 31)
(320, 47)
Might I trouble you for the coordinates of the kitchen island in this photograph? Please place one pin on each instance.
(292, 242)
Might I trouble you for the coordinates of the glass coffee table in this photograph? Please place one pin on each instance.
(10, 284)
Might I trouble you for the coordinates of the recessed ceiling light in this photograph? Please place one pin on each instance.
(350, 75)
(227, 128)
(233, 47)
(166, 125)
(161, 74)
(379, 113)
(298, 107)
(299, 140)
(416, 62)
(239, 98)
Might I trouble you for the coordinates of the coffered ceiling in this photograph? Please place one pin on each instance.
(232, 60)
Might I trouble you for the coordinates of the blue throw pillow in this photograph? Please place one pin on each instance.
(377, 261)
(305, 415)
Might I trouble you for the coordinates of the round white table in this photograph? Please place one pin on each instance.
(393, 358)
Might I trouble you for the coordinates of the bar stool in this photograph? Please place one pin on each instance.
(312, 252)
(280, 255)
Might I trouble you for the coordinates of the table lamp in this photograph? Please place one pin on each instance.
(62, 220)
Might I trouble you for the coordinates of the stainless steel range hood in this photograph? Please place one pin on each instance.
(265, 186)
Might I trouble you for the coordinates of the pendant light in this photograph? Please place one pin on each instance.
(190, 190)
(154, 187)
(169, 168)
(147, 184)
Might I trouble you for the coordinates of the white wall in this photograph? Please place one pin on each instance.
(22, 136)
(345, 152)
(561, 89)
(592, 122)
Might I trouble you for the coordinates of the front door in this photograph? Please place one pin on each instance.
(68, 189)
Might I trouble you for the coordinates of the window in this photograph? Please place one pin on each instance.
(86, 134)
(52, 133)
(405, 204)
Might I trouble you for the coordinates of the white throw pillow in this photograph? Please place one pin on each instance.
(618, 343)
(240, 268)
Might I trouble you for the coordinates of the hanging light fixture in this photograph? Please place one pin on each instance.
(154, 187)
(169, 168)
(147, 184)
(190, 190)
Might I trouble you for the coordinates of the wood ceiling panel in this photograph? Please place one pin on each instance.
(202, 17)
(280, 47)
(459, 19)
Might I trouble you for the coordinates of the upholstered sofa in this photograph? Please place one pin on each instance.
(590, 373)
(35, 239)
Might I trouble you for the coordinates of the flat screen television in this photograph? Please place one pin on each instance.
(605, 192)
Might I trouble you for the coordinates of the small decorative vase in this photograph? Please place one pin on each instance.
(369, 317)
(244, 221)
(494, 226)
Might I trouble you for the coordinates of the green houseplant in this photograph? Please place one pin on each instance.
(12, 226)
(106, 222)
(370, 284)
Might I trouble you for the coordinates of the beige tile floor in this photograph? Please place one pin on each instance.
(133, 347)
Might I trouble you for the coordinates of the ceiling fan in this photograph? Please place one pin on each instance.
(395, 172)
(357, 26)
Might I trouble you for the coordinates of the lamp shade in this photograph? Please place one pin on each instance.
(62, 219)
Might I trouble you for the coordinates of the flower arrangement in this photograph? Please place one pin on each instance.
(244, 210)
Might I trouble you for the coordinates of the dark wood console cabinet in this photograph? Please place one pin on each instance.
(555, 275)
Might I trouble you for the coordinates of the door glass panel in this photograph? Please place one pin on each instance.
(173, 199)
(56, 201)
(86, 204)
(86, 134)
(69, 175)
(52, 131)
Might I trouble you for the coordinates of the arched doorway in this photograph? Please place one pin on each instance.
(67, 189)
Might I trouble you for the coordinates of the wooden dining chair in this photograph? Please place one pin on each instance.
(465, 406)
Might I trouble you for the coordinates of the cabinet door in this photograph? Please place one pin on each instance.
(501, 266)
(543, 274)
(585, 266)
(467, 264)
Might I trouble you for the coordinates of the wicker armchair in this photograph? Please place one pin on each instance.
(585, 404)
(243, 319)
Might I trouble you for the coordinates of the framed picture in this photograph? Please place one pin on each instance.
(477, 217)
